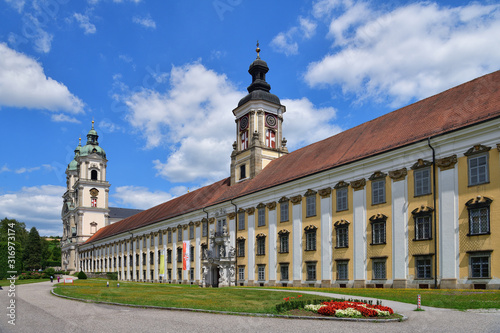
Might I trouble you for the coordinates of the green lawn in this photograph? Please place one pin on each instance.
(253, 300)
(180, 296)
(4, 283)
(459, 299)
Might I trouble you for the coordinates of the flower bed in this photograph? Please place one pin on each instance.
(350, 309)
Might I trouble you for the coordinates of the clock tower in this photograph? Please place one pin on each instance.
(259, 134)
(85, 202)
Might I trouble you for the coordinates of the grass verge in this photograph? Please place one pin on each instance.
(458, 299)
(4, 283)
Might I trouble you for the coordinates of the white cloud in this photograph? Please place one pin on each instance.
(147, 22)
(23, 84)
(85, 24)
(61, 117)
(38, 206)
(107, 126)
(285, 42)
(139, 197)
(304, 124)
(409, 53)
(17, 4)
(34, 30)
(193, 118)
(4, 169)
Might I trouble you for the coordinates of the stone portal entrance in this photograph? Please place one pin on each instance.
(218, 262)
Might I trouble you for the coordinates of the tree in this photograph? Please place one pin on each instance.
(33, 250)
(12, 235)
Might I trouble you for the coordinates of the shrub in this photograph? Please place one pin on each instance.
(50, 271)
(112, 275)
(82, 276)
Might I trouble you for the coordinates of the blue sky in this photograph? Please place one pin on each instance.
(160, 79)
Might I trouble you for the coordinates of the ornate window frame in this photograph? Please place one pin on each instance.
(479, 205)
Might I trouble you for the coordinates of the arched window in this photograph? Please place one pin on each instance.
(270, 138)
(93, 175)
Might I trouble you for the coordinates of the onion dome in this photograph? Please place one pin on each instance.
(92, 146)
(259, 88)
(74, 164)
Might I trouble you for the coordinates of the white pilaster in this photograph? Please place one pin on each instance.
(297, 241)
(400, 229)
(197, 249)
(156, 240)
(251, 247)
(359, 231)
(448, 224)
(273, 251)
(141, 264)
(326, 238)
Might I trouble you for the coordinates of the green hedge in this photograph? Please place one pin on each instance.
(82, 276)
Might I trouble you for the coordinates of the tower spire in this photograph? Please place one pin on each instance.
(258, 50)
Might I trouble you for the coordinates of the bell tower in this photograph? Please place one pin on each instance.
(259, 118)
(85, 202)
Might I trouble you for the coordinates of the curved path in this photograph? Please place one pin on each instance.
(39, 311)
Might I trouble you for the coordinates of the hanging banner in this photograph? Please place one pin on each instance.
(186, 263)
(162, 264)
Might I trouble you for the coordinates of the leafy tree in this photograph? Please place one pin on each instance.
(33, 250)
(12, 234)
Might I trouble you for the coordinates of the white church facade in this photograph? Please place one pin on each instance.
(409, 199)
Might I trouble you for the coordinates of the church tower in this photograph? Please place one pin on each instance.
(85, 202)
(259, 118)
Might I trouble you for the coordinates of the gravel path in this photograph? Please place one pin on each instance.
(39, 311)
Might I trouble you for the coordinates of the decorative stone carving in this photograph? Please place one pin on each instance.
(398, 175)
(271, 205)
(421, 164)
(283, 232)
(231, 216)
(422, 210)
(358, 184)
(310, 193)
(498, 146)
(296, 199)
(341, 184)
(232, 251)
(325, 192)
(211, 220)
(283, 199)
(310, 228)
(261, 235)
(241, 210)
(477, 149)
(204, 220)
(447, 163)
(250, 210)
(197, 223)
(240, 238)
(378, 218)
(261, 205)
(377, 175)
(478, 202)
(341, 223)
(220, 212)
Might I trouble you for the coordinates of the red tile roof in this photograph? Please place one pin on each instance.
(467, 104)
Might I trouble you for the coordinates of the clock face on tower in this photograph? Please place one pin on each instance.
(271, 120)
(243, 123)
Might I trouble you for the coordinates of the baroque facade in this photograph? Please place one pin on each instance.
(410, 199)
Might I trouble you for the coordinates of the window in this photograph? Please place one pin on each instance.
(169, 237)
(204, 229)
(423, 267)
(179, 234)
(151, 258)
(480, 265)
(261, 270)
(423, 228)
(270, 138)
(283, 242)
(191, 231)
(342, 270)
(152, 240)
(243, 171)
(191, 274)
(179, 274)
(244, 140)
(241, 221)
(241, 247)
(342, 199)
(479, 215)
(261, 245)
(311, 205)
(379, 269)
(378, 192)
(191, 253)
(478, 169)
(137, 259)
(261, 215)
(169, 273)
(93, 175)
(160, 238)
(422, 178)
(159, 257)
(310, 238)
(241, 272)
(179, 254)
(378, 229)
(144, 259)
(221, 224)
(342, 231)
(93, 228)
(284, 272)
(311, 271)
(284, 211)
